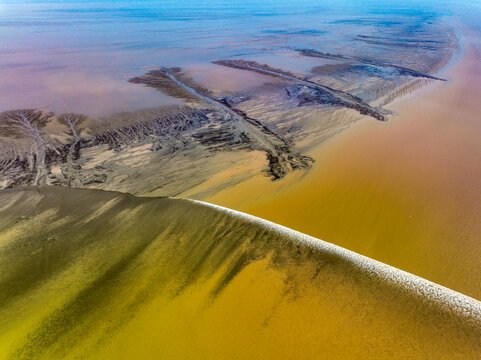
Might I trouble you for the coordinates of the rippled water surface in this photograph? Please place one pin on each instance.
(77, 55)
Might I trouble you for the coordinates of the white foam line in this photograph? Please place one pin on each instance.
(460, 304)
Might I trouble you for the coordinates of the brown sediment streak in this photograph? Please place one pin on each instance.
(342, 98)
(375, 63)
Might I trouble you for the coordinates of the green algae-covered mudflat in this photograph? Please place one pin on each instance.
(101, 275)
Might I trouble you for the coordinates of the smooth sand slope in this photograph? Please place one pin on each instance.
(406, 192)
(88, 274)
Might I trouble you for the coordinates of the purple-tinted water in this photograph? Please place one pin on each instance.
(77, 56)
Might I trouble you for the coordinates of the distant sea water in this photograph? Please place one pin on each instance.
(76, 56)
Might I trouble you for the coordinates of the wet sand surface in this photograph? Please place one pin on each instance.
(90, 274)
(406, 192)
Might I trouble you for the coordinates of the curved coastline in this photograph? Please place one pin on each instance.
(110, 275)
(405, 189)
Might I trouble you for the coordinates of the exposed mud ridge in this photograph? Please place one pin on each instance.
(401, 70)
(243, 129)
(342, 98)
(430, 45)
(160, 80)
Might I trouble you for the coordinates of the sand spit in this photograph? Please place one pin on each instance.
(101, 275)
(338, 97)
(404, 71)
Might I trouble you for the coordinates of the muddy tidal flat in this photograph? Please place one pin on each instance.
(265, 100)
(240, 181)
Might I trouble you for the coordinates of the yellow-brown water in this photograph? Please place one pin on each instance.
(87, 274)
(407, 193)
